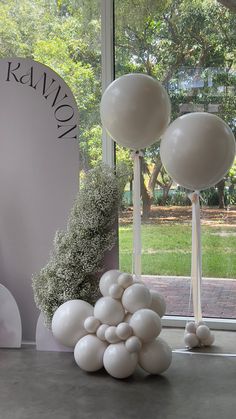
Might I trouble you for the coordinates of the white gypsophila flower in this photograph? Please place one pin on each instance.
(78, 253)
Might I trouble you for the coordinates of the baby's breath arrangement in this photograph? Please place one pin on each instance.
(77, 257)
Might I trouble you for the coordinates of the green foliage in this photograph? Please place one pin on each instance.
(65, 35)
(180, 43)
(77, 257)
(232, 173)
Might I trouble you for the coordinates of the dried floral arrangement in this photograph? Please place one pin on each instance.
(78, 253)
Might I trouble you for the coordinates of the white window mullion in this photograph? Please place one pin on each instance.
(107, 36)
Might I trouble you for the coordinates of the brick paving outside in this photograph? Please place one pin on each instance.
(218, 295)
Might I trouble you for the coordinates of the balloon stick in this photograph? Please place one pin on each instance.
(196, 267)
(137, 242)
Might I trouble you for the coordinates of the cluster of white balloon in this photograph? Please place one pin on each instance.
(197, 335)
(197, 150)
(120, 332)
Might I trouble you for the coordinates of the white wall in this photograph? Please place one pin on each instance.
(38, 175)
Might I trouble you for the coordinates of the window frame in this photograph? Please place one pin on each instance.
(108, 145)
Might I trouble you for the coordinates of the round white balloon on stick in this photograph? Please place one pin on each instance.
(135, 111)
(68, 321)
(197, 150)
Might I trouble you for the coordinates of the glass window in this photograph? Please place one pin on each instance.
(195, 61)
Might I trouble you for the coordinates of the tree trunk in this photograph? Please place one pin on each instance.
(147, 201)
(220, 187)
(166, 190)
(154, 175)
(230, 4)
(131, 191)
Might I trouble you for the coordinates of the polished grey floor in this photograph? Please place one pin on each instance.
(47, 385)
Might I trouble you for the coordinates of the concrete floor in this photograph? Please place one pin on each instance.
(48, 385)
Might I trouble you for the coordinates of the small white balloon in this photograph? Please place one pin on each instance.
(191, 327)
(133, 344)
(109, 311)
(119, 362)
(107, 279)
(135, 297)
(124, 331)
(88, 353)
(101, 331)
(68, 321)
(135, 110)
(197, 150)
(125, 280)
(116, 291)
(191, 340)
(158, 303)
(146, 324)
(209, 341)
(91, 324)
(155, 357)
(111, 336)
(203, 332)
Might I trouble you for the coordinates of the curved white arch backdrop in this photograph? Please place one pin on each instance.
(39, 164)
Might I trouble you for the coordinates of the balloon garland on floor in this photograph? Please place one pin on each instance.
(120, 332)
(135, 111)
(197, 150)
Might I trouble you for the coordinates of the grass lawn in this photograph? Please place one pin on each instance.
(167, 250)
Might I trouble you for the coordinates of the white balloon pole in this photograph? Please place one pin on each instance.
(137, 243)
(196, 268)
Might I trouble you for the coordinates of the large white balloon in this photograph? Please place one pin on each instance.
(68, 321)
(107, 279)
(89, 352)
(158, 303)
(118, 361)
(146, 324)
(197, 150)
(135, 297)
(155, 357)
(135, 110)
(109, 311)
